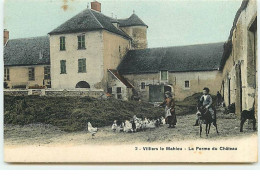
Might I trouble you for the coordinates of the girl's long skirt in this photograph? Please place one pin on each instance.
(171, 117)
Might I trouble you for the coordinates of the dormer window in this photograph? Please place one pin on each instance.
(40, 54)
(164, 75)
(81, 42)
(62, 44)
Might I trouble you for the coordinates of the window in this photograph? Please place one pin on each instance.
(118, 90)
(143, 85)
(187, 84)
(119, 96)
(109, 90)
(82, 65)
(7, 75)
(62, 67)
(62, 43)
(81, 42)
(164, 75)
(82, 84)
(31, 74)
(47, 73)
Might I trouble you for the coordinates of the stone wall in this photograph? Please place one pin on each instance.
(176, 81)
(93, 54)
(55, 93)
(66, 93)
(115, 48)
(139, 36)
(16, 92)
(115, 83)
(239, 72)
(19, 75)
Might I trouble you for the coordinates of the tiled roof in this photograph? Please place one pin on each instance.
(27, 51)
(88, 20)
(133, 20)
(228, 45)
(203, 57)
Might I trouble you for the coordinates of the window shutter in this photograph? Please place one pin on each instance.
(79, 65)
(62, 66)
(84, 65)
(61, 70)
(79, 42)
(83, 41)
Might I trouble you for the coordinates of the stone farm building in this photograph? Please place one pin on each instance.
(239, 62)
(93, 52)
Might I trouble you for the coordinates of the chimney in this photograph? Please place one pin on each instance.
(6, 36)
(96, 6)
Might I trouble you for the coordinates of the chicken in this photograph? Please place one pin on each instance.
(114, 126)
(151, 125)
(128, 127)
(92, 130)
(163, 120)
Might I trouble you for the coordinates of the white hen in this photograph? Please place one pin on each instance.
(92, 130)
(151, 125)
(128, 127)
(163, 120)
(114, 126)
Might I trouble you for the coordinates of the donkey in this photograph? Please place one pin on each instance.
(205, 118)
(250, 115)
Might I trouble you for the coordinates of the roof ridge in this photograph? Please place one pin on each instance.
(112, 18)
(173, 59)
(97, 19)
(67, 20)
(181, 46)
(45, 36)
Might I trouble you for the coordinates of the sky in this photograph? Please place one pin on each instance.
(171, 22)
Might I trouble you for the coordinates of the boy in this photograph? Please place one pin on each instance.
(206, 101)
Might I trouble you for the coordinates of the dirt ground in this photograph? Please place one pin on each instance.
(39, 134)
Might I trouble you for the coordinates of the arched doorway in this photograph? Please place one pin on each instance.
(82, 84)
(167, 88)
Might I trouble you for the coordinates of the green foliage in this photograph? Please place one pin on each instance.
(72, 113)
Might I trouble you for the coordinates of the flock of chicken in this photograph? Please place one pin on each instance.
(137, 124)
(134, 125)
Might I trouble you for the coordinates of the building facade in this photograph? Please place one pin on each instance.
(182, 70)
(27, 63)
(239, 62)
(94, 52)
(81, 54)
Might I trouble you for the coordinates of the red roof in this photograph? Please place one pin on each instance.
(121, 78)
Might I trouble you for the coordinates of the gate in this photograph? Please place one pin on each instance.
(156, 93)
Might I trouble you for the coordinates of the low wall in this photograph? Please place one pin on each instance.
(16, 92)
(55, 93)
(65, 93)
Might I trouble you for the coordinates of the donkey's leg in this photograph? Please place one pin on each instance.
(254, 123)
(200, 129)
(216, 128)
(241, 124)
(207, 130)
